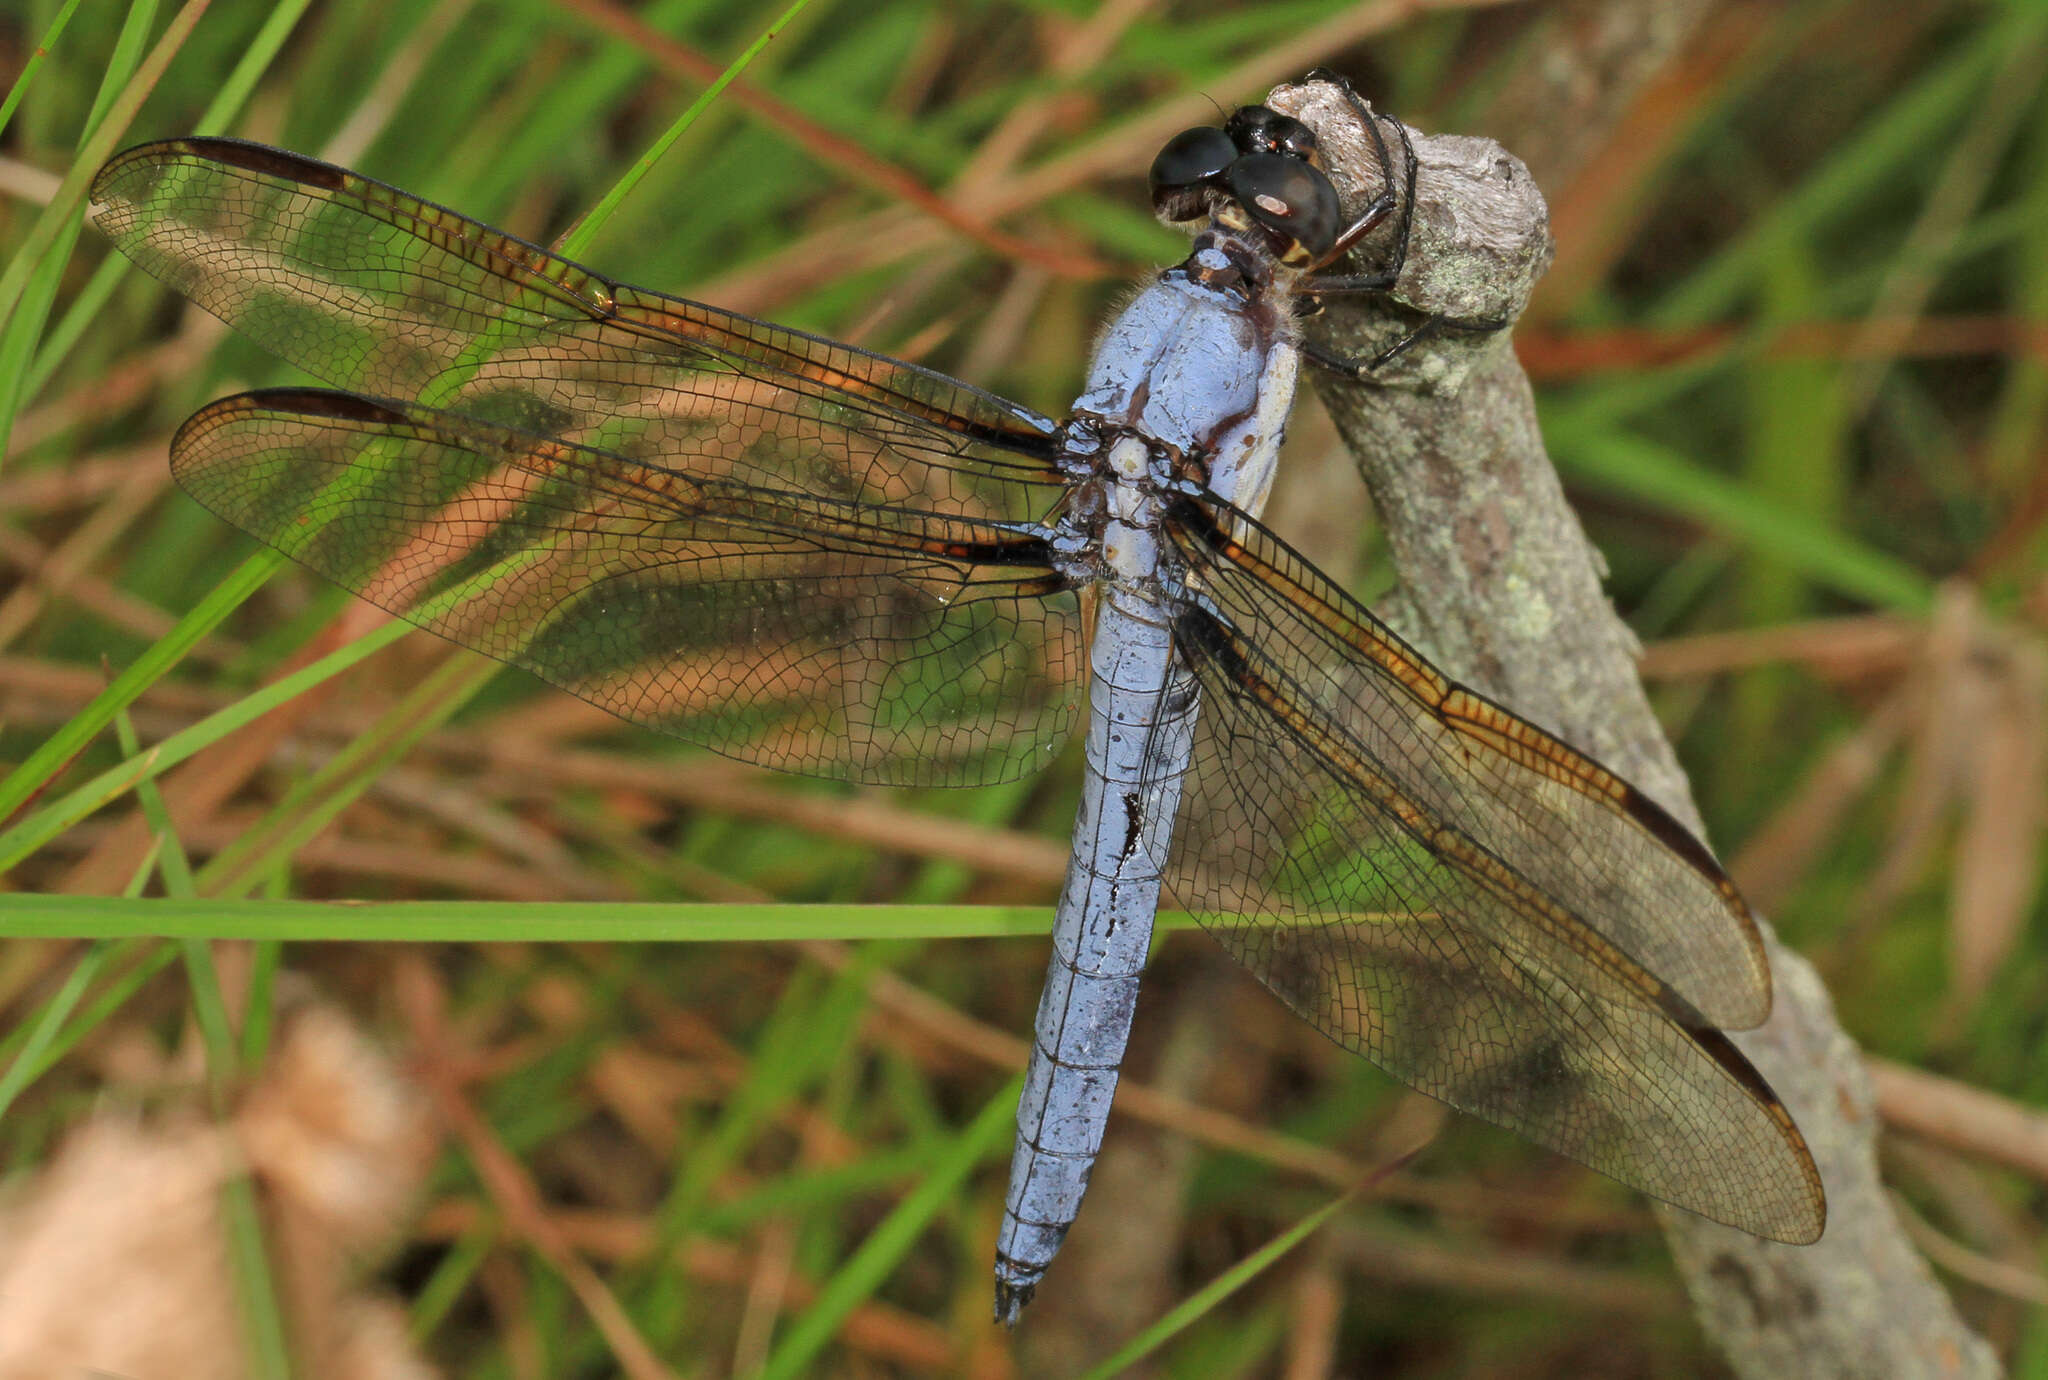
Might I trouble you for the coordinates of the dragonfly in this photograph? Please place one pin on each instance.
(798, 553)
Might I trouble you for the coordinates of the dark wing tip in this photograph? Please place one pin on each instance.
(265, 159)
(1661, 825)
(188, 445)
(1801, 1220)
(310, 402)
(234, 153)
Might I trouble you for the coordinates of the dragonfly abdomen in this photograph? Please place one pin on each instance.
(1140, 736)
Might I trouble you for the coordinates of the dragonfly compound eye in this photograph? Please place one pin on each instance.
(1289, 198)
(1257, 129)
(1186, 170)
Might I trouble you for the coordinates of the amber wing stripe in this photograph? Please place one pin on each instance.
(1465, 709)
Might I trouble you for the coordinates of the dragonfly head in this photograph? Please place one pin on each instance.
(1260, 174)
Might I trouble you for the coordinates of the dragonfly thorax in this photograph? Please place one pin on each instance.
(1109, 526)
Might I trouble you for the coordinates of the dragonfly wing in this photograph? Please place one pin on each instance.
(877, 642)
(583, 426)
(378, 292)
(1462, 898)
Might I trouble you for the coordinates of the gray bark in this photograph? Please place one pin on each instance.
(1501, 587)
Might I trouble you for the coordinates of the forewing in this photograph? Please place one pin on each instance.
(378, 292)
(1465, 900)
(878, 642)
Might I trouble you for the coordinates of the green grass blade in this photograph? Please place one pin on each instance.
(577, 240)
(1654, 474)
(263, 1323)
(312, 804)
(240, 83)
(47, 823)
(117, 995)
(61, 215)
(41, 1033)
(170, 853)
(865, 1270)
(1903, 128)
(39, 55)
(25, 915)
(1204, 1300)
(451, 1278)
(43, 260)
(227, 103)
(262, 1316)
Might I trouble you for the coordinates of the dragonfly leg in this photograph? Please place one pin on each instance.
(1380, 207)
(1383, 278)
(1361, 368)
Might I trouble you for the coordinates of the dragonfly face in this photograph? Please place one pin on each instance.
(1262, 169)
(809, 556)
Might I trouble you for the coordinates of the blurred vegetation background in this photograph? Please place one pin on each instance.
(1793, 365)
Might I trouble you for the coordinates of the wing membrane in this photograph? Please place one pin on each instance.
(1466, 900)
(708, 524)
(882, 643)
(1551, 814)
(377, 292)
